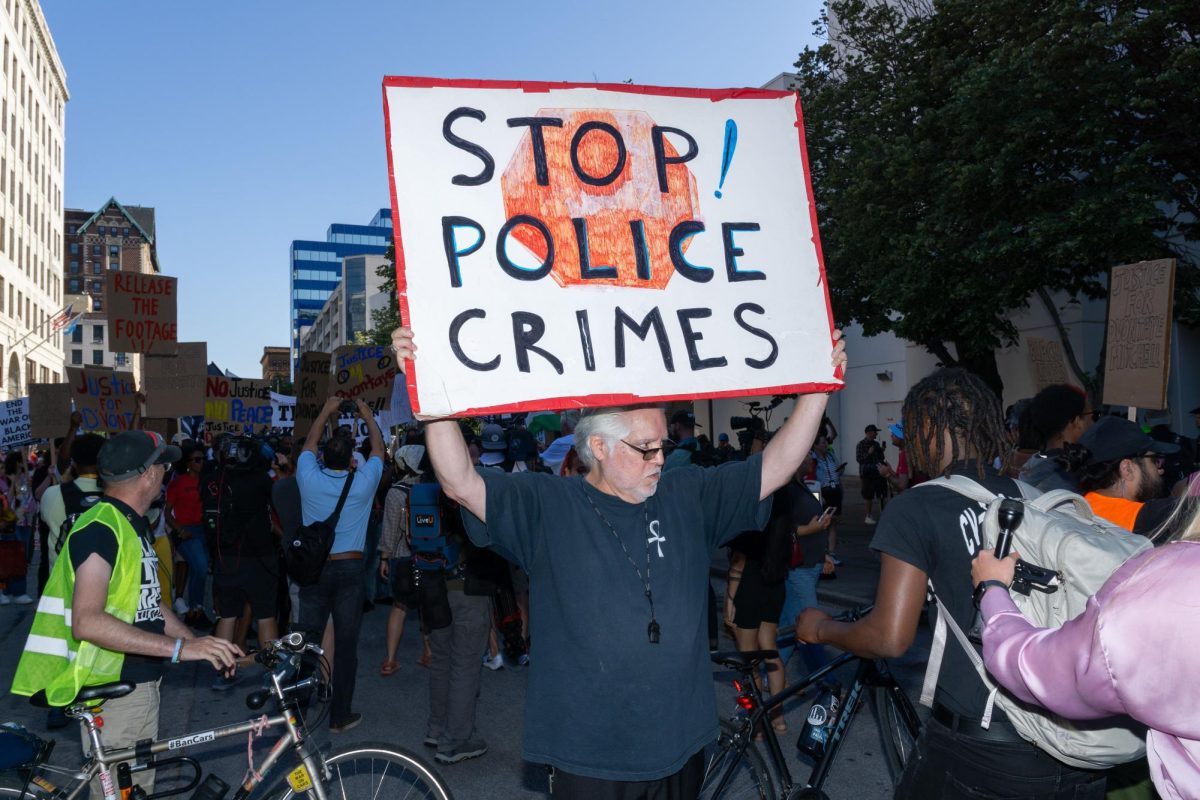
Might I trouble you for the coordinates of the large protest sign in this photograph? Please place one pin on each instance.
(105, 400)
(561, 244)
(14, 423)
(174, 385)
(312, 387)
(49, 409)
(364, 372)
(142, 313)
(236, 405)
(1046, 362)
(283, 412)
(1138, 337)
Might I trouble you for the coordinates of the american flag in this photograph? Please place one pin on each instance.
(63, 318)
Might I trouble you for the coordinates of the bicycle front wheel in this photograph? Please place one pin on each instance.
(899, 726)
(734, 769)
(375, 772)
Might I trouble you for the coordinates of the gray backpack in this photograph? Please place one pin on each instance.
(1058, 532)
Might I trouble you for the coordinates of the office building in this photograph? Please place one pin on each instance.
(347, 312)
(316, 268)
(95, 242)
(32, 108)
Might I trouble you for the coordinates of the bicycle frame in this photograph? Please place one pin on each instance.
(866, 675)
(103, 762)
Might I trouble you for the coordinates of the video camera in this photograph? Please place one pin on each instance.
(755, 426)
(245, 452)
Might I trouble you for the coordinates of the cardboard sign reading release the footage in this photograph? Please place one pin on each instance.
(1138, 337)
(142, 312)
(562, 244)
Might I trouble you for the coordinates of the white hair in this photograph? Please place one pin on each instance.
(609, 424)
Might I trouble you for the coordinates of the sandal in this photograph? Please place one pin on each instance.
(389, 668)
(423, 661)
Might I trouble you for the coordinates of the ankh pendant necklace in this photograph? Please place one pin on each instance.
(652, 630)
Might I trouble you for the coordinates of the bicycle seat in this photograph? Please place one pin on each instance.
(735, 660)
(104, 691)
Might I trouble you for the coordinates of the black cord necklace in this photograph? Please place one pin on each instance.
(652, 630)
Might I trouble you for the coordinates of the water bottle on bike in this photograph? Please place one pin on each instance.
(821, 719)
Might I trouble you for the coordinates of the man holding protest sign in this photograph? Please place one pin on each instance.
(618, 563)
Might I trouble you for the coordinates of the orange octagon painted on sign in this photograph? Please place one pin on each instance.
(619, 218)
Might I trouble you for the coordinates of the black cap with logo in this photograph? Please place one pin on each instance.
(1114, 438)
(131, 453)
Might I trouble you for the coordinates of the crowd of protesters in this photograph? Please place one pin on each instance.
(449, 528)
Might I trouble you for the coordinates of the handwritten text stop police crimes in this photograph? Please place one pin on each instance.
(529, 328)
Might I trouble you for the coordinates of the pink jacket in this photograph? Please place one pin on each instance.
(1135, 650)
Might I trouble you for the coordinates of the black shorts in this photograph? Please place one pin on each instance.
(831, 497)
(756, 600)
(254, 581)
(874, 486)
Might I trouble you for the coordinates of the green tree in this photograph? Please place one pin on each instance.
(971, 157)
(387, 319)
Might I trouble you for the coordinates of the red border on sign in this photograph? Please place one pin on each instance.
(596, 400)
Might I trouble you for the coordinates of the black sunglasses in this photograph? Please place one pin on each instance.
(648, 453)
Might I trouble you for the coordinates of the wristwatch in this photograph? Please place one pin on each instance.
(984, 586)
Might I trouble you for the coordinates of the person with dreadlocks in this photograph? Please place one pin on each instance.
(952, 425)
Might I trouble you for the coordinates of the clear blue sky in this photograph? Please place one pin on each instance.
(249, 124)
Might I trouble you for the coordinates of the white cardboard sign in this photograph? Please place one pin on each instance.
(573, 245)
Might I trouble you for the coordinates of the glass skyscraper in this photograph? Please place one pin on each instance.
(317, 267)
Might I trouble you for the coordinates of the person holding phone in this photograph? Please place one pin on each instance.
(829, 475)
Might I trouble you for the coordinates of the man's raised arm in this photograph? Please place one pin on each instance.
(791, 443)
(446, 447)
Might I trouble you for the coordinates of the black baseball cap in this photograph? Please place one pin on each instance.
(1114, 438)
(131, 453)
(1195, 410)
(492, 437)
(685, 417)
(870, 428)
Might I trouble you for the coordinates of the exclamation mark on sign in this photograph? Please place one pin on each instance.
(727, 156)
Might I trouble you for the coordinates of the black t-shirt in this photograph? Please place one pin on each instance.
(602, 701)
(246, 520)
(1154, 513)
(99, 539)
(940, 531)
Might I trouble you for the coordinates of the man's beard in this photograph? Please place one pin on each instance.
(1151, 488)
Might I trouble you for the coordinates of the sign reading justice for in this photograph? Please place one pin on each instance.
(561, 244)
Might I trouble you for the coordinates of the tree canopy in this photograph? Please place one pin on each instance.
(971, 156)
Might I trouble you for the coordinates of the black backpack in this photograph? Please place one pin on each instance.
(311, 544)
(76, 501)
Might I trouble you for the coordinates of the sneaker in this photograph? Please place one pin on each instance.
(348, 723)
(430, 741)
(494, 662)
(180, 607)
(461, 752)
(23, 600)
(869, 521)
(4, 599)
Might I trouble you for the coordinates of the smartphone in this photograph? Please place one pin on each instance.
(827, 513)
(842, 467)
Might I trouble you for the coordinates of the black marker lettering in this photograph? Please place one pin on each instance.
(583, 130)
(538, 141)
(642, 330)
(456, 328)
(732, 251)
(586, 270)
(506, 264)
(661, 159)
(527, 329)
(585, 340)
(680, 234)
(690, 337)
(489, 166)
(449, 242)
(759, 332)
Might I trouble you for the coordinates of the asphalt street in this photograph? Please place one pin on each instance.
(395, 708)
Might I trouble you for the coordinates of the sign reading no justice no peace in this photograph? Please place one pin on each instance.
(564, 245)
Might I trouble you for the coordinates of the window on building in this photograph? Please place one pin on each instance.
(73, 286)
(124, 231)
(120, 360)
(114, 265)
(98, 358)
(97, 268)
(97, 287)
(97, 334)
(100, 230)
(74, 247)
(1, 297)
(97, 304)
(77, 335)
(95, 249)
(113, 251)
(45, 372)
(74, 267)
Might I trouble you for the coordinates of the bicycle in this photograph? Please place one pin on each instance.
(735, 767)
(359, 771)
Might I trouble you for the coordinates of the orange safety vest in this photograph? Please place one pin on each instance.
(1116, 510)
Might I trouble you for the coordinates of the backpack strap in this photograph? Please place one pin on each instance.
(1061, 497)
(946, 622)
(332, 521)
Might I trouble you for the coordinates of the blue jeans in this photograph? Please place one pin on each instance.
(195, 553)
(801, 594)
(338, 592)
